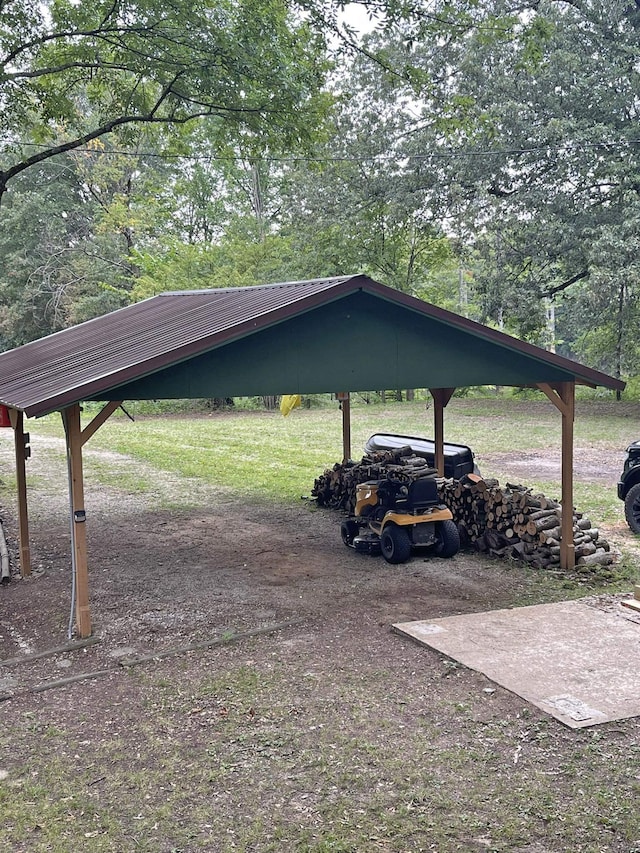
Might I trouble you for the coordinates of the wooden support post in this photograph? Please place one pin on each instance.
(345, 405)
(563, 396)
(441, 397)
(71, 417)
(567, 547)
(17, 422)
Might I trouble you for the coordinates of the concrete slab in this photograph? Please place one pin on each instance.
(577, 660)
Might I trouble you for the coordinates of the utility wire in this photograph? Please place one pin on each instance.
(388, 156)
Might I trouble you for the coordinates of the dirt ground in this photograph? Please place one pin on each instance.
(160, 575)
(164, 578)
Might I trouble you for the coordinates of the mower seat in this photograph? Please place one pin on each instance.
(423, 493)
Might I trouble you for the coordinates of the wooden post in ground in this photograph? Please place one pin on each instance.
(71, 418)
(441, 397)
(563, 396)
(567, 547)
(17, 422)
(345, 405)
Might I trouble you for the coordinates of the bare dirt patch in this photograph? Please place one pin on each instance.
(590, 464)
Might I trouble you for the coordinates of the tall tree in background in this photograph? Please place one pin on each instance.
(73, 72)
(353, 210)
(540, 167)
(85, 88)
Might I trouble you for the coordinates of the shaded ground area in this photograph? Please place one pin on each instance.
(328, 733)
(163, 575)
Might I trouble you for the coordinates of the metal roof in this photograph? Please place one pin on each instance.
(96, 358)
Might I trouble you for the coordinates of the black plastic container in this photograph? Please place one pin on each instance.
(458, 458)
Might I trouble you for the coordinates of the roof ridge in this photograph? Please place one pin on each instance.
(277, 284)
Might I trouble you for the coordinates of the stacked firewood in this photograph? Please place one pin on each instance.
(509, 521)
(513, 521)
(336, 488)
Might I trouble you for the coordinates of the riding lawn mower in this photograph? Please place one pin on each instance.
(393, 517)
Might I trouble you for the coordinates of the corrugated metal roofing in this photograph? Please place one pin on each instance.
(85, 360)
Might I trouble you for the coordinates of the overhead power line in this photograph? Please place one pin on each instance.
(385, 155)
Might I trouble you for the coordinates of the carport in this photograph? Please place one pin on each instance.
(338, 335)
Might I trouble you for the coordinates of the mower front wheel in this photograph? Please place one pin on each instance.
(395, 544)
(448, 539)
(349, 530)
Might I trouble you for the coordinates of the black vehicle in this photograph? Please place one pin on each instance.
(629, 486)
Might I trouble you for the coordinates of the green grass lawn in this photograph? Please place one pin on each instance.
(265, 455)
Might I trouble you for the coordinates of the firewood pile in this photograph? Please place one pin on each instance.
(509, 521)
(336, 488)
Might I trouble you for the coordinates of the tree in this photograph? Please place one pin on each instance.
(101, 104)
(538, 162)
(73, 72)
(353, 211)
(69, 226)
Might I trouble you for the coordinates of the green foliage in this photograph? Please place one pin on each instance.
(231, 263)
(535, 38)
(546, 189)
(85, 89)
(83, 70)
(356, 214)
(506, 191)
(57, 265)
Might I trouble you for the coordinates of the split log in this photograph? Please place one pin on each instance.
(543, 513)
(549, 534)
(545, 523)
(585, 549)
(599, 558)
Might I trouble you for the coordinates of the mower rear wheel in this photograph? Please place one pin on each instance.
(395, 544)
(448, 539)
(349, 530)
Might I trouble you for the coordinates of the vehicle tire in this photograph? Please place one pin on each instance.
(349, 530)
(632, 508)
(395, 544)
(448, 537)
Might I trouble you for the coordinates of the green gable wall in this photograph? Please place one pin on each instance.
(359, 342)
